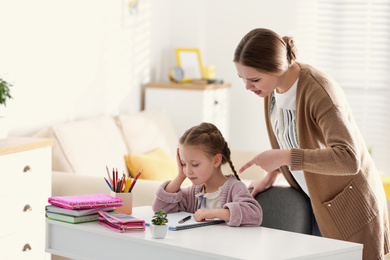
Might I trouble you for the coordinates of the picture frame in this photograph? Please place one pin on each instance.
(191, 63)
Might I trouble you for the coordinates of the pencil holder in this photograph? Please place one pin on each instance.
(127, 198)
(208, 72)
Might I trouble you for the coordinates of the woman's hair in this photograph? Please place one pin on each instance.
(266, 51)
(210, 139)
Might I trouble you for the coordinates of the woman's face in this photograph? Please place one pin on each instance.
(262, 84)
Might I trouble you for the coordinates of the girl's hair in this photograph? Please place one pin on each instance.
(266, 51)
(210, 139)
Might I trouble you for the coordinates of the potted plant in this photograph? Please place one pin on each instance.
(4, 92)
(159, 225)
(4, 96)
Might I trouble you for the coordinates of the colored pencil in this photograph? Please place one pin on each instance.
(128, 184)
(109, 177)
(135, 180)
(108, 183)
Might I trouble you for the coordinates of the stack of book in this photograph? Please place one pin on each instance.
(80, 208)
(74, 216)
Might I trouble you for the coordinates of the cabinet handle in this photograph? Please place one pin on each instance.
(27, 168)
(27, 208)
(216, 102)
(26, 247)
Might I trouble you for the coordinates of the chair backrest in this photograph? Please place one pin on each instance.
(287, 209)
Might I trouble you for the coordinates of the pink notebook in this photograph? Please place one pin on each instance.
(121, 222)
(85, 201)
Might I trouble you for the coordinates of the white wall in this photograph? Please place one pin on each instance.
(74, 59)
(216, 27)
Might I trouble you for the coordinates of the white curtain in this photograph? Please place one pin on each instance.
(350, 40)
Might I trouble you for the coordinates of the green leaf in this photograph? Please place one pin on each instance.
(4, 91)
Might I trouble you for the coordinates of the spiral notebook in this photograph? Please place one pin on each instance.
(174, 218)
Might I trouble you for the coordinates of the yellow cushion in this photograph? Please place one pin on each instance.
(386, 185)
(156, 164)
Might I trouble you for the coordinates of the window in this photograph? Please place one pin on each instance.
(350, 41)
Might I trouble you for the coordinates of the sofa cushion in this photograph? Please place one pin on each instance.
(87, 146)
(156, 165)
(148, 130)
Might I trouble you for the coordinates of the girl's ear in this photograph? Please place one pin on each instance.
(217, 160)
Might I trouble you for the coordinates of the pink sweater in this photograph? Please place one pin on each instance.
(244, 209)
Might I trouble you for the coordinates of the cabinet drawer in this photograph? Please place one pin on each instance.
(23, 245)
(24, 211)
(216, 109)
(24, 172)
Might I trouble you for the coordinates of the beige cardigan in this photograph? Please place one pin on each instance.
(345, 188)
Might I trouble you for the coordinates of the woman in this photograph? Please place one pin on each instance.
(315, 141)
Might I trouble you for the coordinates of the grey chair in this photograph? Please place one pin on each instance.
(287, 209)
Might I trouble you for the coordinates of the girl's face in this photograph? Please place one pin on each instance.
(262, 84)
(197, 166)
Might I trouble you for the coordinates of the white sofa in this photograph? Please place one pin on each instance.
(82, 150)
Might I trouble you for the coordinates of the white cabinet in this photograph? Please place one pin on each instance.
(190, 104)
(25, 186)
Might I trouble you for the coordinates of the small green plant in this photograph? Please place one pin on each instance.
(159, 218)
(370, 149)
(4, 91)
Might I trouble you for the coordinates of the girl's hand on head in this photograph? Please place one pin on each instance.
(180, 171)
(175, 184)
(269, 160)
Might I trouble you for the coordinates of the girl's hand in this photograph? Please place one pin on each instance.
(175, 184)
(203, 214)
(264, 183)
(180, 172)
(269, 160)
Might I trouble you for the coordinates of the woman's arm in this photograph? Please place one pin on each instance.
(270, 160)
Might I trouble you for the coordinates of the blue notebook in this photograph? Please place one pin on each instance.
(174, 218)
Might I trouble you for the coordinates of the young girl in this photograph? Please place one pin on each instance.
(202, 150)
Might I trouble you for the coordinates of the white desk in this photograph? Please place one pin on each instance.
(94, 241)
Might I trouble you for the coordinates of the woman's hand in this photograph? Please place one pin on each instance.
(269, 160)
(262, 184)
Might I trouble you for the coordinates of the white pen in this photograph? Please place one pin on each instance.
(185, 219)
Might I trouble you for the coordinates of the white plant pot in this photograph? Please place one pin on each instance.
(4, 127)
(158, 231)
